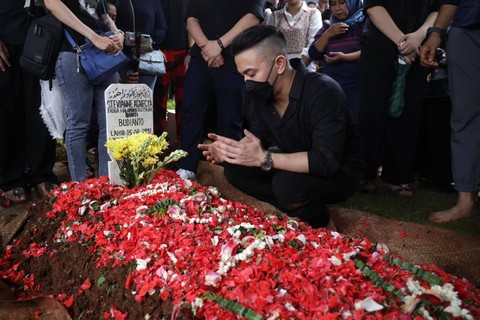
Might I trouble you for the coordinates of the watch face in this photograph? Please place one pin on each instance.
(267, 163)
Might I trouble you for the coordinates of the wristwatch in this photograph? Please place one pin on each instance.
(220, 44)
(438, 30)
(267, 163)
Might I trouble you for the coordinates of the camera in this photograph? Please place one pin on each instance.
(145, 39)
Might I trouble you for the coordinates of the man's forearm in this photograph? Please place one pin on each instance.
(445, 16)
(247, 21)
(195, 32)
(428, 22)
(294, 162)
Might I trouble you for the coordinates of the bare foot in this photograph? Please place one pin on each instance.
(464, 208)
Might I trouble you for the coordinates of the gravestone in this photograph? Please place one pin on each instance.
(129, 110)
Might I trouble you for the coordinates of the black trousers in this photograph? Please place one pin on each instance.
(299, 195)
(434, 162)
(27, 151)
(388, 142)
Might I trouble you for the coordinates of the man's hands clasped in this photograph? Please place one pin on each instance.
(212, 54)
(246, 152)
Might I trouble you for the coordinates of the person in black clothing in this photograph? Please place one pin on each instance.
(393, 30)
(27, 152)
(302, 150)
(211, 74)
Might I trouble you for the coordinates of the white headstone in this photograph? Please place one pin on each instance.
(129, 110)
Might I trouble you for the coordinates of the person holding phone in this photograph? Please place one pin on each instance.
(145, 28)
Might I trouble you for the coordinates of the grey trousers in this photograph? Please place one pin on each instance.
(463, 54)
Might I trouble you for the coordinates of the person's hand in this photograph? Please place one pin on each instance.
(246, 152)
(410, 58)
(337, 29)
(410, 43)
(217, 62)
(118, 39)
(428, 50)
(105, 44)
(210, 51)
(211, 153)
(4, 57)
(335, 57)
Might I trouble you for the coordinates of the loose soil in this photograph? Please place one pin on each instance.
(67, 269)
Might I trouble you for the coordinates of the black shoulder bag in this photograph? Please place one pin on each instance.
(42, 44)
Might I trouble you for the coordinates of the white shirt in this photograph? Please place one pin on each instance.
(315, 25)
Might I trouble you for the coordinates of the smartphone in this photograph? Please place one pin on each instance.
(145, 40)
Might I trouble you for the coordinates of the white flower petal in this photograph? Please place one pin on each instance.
(368, 304)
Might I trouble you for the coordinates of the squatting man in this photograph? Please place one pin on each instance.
(301, 150)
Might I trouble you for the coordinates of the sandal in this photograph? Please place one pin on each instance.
(402, 190)
(16, 195)
(45, 188)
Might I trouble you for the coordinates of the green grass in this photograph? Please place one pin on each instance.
(388, 204)
(170, 104)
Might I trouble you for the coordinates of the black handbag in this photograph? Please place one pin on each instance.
(42, 44)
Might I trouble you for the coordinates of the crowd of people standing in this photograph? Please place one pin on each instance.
(359, 44)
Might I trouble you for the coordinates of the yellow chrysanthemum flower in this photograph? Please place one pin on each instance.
(138, 156)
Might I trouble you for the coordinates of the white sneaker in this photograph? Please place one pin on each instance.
(187, 174)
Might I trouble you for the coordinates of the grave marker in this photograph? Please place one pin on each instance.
(129, 110)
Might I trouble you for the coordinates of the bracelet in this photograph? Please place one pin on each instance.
(438, 30)
(220, 44)
(120, 31)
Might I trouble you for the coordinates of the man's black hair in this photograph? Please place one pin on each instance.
(252, 36)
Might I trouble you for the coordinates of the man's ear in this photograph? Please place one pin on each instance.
(281, 62)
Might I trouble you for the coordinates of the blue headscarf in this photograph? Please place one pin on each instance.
(355, 13)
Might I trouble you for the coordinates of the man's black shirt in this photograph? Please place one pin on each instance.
(317, 120)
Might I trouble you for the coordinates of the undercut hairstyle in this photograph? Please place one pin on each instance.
(265, 39)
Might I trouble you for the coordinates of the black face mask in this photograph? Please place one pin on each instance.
(260, 92)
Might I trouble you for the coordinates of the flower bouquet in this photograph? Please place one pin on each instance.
(138, 157)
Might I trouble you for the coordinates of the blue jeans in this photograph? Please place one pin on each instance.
(79, 96)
